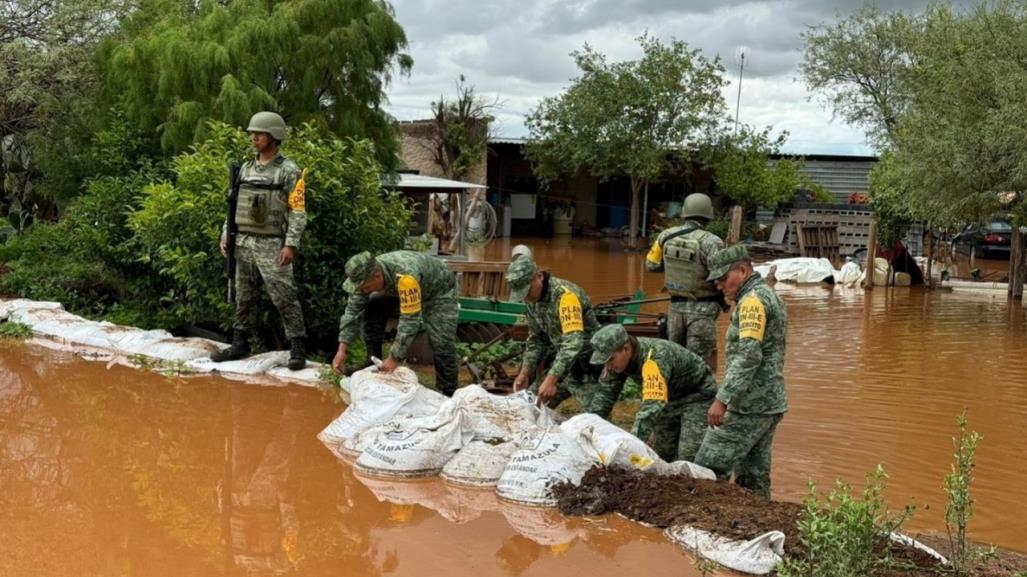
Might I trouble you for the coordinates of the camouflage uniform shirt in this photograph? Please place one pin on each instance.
(671, 376)
(561, 321)
(754, 379)
(424, 287)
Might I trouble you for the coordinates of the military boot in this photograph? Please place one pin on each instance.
(297, 355)
(240, 348)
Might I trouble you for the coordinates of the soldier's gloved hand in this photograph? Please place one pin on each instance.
(339, 362)
(715, 415)
(547, 390)
(521, 381)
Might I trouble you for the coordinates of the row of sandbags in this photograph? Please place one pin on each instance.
(190, 354)
(396, 428)
(807, 270)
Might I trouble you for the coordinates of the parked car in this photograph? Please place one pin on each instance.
(990, 240)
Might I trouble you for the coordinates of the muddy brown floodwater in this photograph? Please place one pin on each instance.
(116, 471)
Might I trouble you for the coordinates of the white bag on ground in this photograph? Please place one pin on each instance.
(254, 365)
(480, 463)
(377, 398)
(799, 270)
(613, 445)
(417, 447)
(545, 457)
(758, 556)
(497, 416)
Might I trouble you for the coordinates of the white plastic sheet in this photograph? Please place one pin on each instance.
(756, 556)
(800, 270)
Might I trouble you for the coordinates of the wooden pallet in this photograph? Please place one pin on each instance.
(818, 241)
(480, 279)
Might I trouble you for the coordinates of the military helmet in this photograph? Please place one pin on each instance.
(269, 122)
(697, 205)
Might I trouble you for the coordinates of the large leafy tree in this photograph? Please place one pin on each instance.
(46, 81)
(940, 92)
(180, 63)
(627, 118)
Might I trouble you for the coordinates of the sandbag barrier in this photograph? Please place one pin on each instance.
(101, 340)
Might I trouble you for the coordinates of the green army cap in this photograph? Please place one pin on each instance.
(722, 260)
(519, 275)
(358, 268)
(607, 341)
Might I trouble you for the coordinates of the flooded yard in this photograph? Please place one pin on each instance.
(115, 471)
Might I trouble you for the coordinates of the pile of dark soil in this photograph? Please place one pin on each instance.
(728, 510)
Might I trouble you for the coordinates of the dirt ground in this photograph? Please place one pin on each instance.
(729, 510)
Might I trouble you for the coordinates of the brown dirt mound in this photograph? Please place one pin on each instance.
(728, 510)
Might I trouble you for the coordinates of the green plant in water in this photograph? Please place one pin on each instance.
(845, 536)
(959, 505)
(13, 330)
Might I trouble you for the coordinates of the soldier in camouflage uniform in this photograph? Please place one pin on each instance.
(421, 290)
(752, 400)
(683, 252)
(271, 216)
(561, 322)
(677, 387)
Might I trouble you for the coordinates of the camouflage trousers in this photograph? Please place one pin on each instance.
(256, 260)
(440, 319)
(742, 445)
(693, 325)
(678, 430)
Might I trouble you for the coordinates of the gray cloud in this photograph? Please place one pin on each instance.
(518, 51)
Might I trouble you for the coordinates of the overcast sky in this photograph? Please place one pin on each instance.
(518, 51)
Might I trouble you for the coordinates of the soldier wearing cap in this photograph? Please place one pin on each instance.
(683, 253)
(752, 399)
(421, 289)
(677, 387)
(561, 322)
(271, 216)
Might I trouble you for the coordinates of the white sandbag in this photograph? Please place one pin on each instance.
(376, 398)
(612, 445)
(480, 463)
(688, 469)
(255, 365)
(309, 375)
(799, 270)
(497, 416)
(545, 457)
(172, 348)
(911, 542)
(849, 274)
(757, 556)
(8, 308)
(417, 447)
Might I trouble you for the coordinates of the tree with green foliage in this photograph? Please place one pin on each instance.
(178, 64)
(47, 80)
(743, 173)
(628, 118)
(940, 91)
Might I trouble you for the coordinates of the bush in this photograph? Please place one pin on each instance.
(12, 330)
(178, 225)
(847, 537)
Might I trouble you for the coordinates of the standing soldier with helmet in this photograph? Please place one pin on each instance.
(683, 254)
(270, 217)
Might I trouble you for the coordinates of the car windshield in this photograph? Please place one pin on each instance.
(999, 226)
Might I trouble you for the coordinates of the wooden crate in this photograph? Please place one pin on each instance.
(480, 279)
(818, 241)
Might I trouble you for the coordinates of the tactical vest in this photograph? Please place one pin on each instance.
(685, 274)
(263, 205)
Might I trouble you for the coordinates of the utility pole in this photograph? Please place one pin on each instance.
(740, 53)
